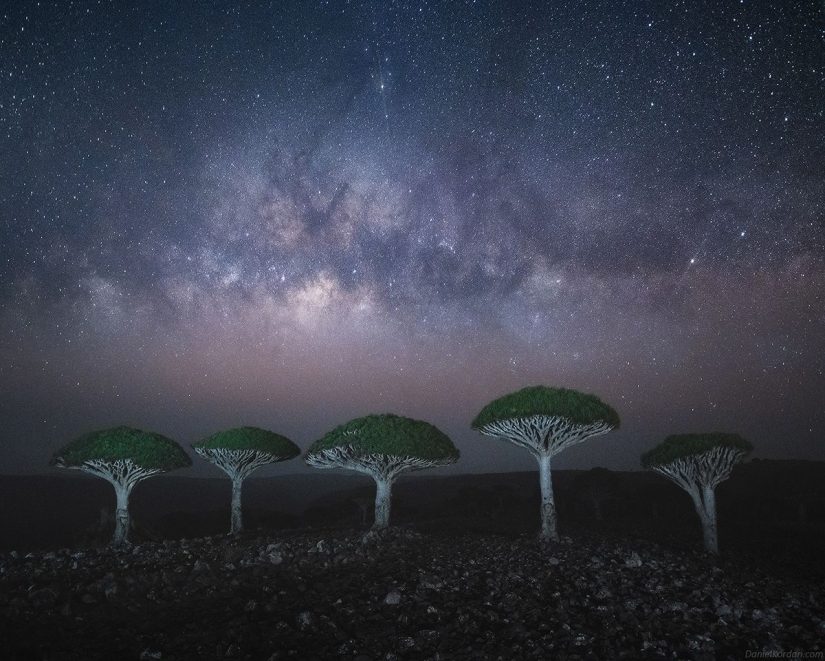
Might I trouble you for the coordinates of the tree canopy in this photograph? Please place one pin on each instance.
(388, 434)
(251, 438)
(145, 449)
(679, 446)
(579, 408)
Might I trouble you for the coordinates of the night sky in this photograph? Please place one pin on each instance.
(288, 215)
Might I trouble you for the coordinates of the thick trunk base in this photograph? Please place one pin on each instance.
(236, 525)
(708, 517)
(705, 503)
(548, 505)
(383, 496)
(122, 518)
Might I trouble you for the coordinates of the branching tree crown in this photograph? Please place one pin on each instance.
(681, 446)
(146, 450)
(579, 408)
(251, 438)
(388, 434)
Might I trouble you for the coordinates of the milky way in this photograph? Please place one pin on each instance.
(290, 215)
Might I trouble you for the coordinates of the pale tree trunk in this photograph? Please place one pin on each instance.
(122, 520)
(705, 503)
(237, 515)
(709, 520)
(548, 506)
(383, 496)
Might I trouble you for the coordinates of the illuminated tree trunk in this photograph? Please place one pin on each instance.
(548, 505)
(236, 526)
(383, 501)
(122, 518)
(708, 516)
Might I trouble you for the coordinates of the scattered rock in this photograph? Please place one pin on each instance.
(42, 598)
(633, 561)
(306, 621)
(399, 595)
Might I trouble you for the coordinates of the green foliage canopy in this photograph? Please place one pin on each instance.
(679, 446)
(389, 434)
(251, 438)
(146, 449)
(578, 407)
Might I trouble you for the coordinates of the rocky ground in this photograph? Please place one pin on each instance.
(334, 594)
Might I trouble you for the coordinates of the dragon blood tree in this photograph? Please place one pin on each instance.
(544, 421)
(240, 451)
(697, 463)
(383, 447)
(124, 456)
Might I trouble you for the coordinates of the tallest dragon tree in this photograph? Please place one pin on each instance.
(544, 421)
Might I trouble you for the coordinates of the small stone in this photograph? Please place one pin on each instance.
(674, 606)
(602, 594)
(405, 643)
(393, 598)
(306, 621)
(633, 561)
(553, 561)
(43, 597)
(509, 602)
(149, 653)
(275, 557)
(428, 636)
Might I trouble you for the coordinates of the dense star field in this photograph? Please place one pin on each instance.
(291, 214)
